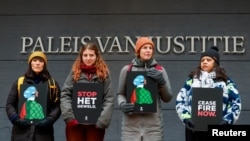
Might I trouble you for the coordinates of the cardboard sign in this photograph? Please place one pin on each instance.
(33, 102)
(141, 91)
(206, 107)
(87, 102)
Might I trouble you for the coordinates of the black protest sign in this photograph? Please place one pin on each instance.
(87, 102)
(206, 107)
(141, 91)
(33, 102)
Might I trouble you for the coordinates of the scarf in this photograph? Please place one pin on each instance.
(205, 80)
(88, 69)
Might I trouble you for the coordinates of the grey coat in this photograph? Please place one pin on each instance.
(108, 99)
(148, 126)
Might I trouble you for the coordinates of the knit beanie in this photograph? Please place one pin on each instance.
(37, 54)
(213, 53)
(142, 41)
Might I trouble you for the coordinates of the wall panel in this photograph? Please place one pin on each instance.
(118, 20)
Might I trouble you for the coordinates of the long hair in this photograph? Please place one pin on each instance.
(220, 73)
(44, 74)
(102, 70)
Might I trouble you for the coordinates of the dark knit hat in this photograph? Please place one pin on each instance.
(37, 54)
(142, 41)
(213, 52)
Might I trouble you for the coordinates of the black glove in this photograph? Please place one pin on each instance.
(22, 123)
(189, 123)
(223, 122)
(157, 76)
(45, 123)
(127, 107)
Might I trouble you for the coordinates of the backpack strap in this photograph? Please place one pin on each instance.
(158, 67)
(130, 66)
(53, 90)
(19, 83)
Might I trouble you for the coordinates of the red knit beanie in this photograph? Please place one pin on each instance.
(142, 41)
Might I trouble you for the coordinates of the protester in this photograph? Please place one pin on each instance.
(208, 74)
(89, 67)
(24, 129)
(143, 126)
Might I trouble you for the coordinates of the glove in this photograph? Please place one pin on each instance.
(223, 122)
(127, 107)
(189, 123)
(99, 125)
(72, 122)
(45, 123)
(14, 118)
(22, 123)
(157, 76)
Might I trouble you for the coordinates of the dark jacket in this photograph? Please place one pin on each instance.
(33, 133)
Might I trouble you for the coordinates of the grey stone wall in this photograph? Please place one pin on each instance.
(131, 18)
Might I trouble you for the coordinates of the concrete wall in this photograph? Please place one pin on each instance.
(118, 20)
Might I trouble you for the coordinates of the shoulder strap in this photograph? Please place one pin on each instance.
(19, 83)
(130, 66)
(53, 89)
(158, 67)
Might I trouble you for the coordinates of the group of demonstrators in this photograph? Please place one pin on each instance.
(36, 101)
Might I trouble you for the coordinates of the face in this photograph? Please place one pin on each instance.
(146, 52)
(37, 65)
(89, 57)
(207, 63)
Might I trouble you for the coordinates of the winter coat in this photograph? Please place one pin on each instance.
(33, 133)
(108, 98)
(148, 126)
(231, 98)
